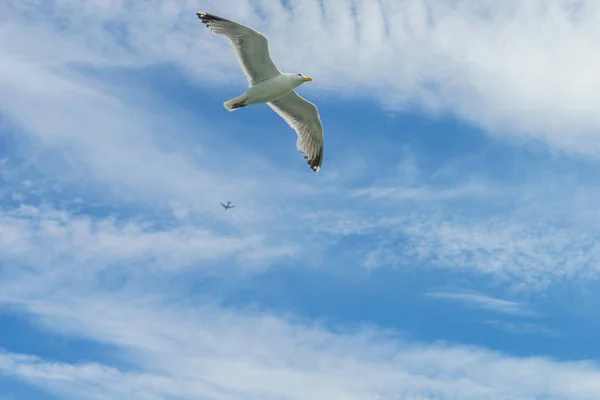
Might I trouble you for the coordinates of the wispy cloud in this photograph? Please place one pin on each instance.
(520, 243)
(478, 300)
(521, 328)
(423, 193)
(87, 131)
(479, 61)
(45, 238)
(219, 353)
(189, 349)
(532, 243)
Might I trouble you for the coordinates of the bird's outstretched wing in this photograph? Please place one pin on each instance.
(303, 117)
(250, 46)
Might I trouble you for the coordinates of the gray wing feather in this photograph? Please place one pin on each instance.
(303, 117)
(250, 46)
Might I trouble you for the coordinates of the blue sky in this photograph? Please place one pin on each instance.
(446, 250)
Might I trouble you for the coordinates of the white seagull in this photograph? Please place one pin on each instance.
(269, 85)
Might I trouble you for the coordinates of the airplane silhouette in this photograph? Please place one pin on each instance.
(227, 206)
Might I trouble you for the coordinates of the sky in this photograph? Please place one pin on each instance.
(447, 249)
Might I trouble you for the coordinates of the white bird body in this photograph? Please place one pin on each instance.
(274, 88)
(267, 91)
(271, 86)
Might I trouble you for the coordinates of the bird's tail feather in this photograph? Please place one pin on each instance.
(236, 102)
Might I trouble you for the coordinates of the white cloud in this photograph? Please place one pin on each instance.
(48, 239)
(531, 244)
(523, 67)
(125, 140)
(224, 354)
(452, 56)
(185, 349)
(478, 300)
(117, 140)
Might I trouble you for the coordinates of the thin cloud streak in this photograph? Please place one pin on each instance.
(522, 328)
(478, 300)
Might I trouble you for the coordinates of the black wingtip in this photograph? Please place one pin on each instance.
(315, 163)
(206, 18)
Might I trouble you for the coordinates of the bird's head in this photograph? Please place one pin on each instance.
(301, 78)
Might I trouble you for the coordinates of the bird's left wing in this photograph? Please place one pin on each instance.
(303, 117)
(250, 46)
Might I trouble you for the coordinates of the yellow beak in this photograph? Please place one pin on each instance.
(307, 79)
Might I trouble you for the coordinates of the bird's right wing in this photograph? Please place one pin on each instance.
(303, 117)
(250, 46)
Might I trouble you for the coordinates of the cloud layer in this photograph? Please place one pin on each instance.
(523, 69)
(109, 194)
(224, 354)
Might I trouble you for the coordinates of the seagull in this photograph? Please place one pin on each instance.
(269, 85)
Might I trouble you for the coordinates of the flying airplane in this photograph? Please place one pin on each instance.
(227, 206)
